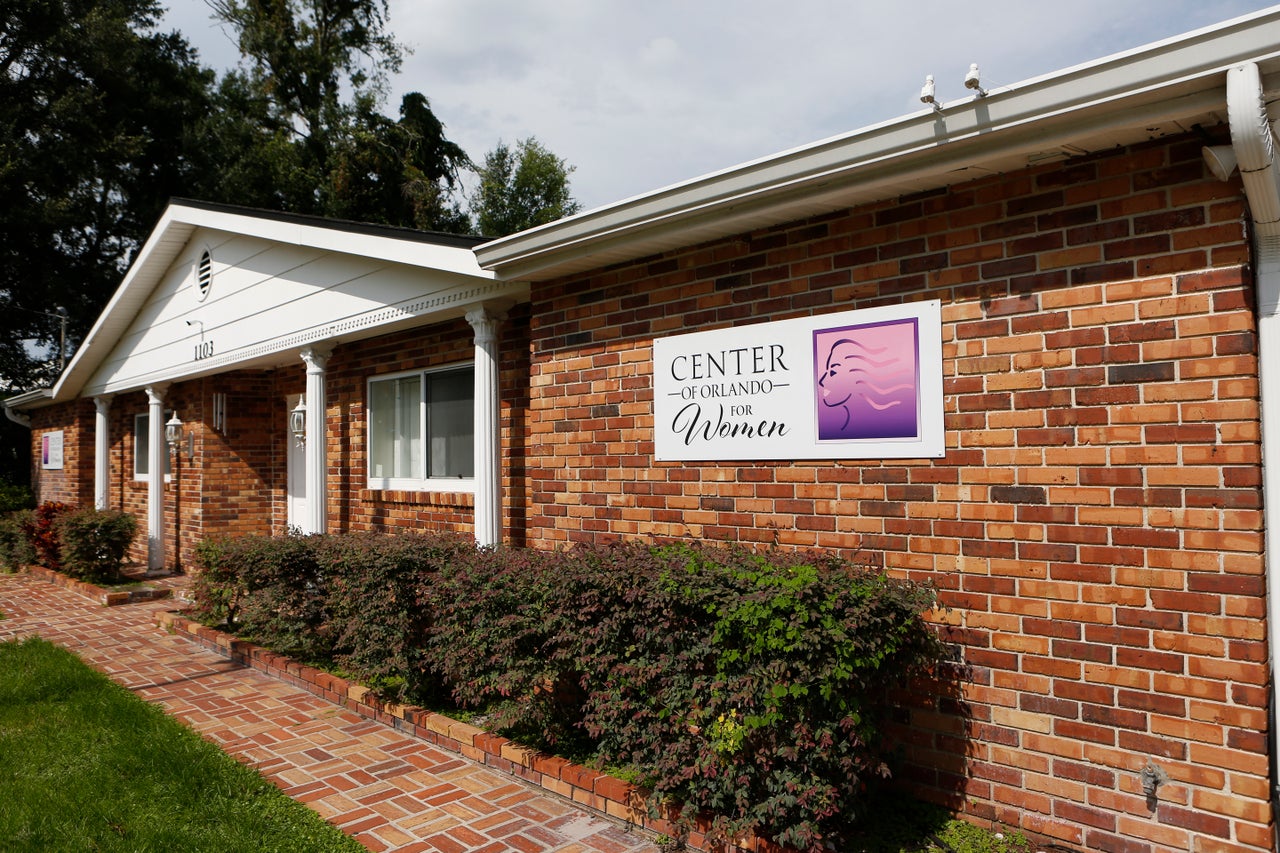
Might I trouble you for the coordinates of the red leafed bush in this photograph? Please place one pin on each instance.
(41, 531)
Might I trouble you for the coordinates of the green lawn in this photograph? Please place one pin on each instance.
(87, 766)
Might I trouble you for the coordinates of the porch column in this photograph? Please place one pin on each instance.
(156, 450)
(488, 497)
(317, 464)
(101, 452)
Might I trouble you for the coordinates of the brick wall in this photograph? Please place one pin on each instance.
(1095, 524)
(68, 483)
(125, 493)
(355, 508)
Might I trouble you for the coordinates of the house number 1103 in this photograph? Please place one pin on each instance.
(204, 349)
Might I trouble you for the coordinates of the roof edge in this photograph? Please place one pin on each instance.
(448, 253)
(1053, 105)
(371, 229)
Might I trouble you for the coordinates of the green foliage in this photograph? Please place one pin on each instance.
(899, 824)
(323, 153)
(86, 765)
(966, 838)
(15, 497)
(400, 172)
(94, 108)
(15, 547)
(521, 189)
(103, 119)
(499, 643)
(40, 528)
(752, 686)
(354, 602)
(93, 543)
(218, 588)
(747, 686)
(379, 621)
(269, 589)
(301, 52)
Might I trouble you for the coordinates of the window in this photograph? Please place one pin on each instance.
(142, 444)
(422, 430)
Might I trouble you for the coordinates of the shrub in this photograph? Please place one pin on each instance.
(499, 643)
(217, 589)
(268, 589)
(93, 542)
(43, 535)
(15, 548)
(380, 620)
(15, 497)
(767, 714)
(748, 686)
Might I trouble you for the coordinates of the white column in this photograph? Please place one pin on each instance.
(101, 452)
(317, 465)
(488, 496)
(156, 450)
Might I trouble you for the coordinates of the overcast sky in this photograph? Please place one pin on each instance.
(640, 94)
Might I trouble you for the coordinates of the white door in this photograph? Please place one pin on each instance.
(296, 475)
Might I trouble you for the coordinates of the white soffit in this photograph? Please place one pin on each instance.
(97, 365)
(1154, 91)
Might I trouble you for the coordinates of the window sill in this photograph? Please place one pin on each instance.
(398, 496)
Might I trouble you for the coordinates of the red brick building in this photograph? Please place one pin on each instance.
(1077, 258)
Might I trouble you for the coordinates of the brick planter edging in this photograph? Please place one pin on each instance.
(588, 788)
(105, 597)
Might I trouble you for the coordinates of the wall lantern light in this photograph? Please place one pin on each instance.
(173, 431)
(298, 420)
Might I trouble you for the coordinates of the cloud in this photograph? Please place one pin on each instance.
(641, 95)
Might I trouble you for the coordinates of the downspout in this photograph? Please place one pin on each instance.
(1254, 144)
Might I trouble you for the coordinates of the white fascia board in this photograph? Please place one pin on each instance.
(1180, 77)
(165, 243)
(387, 248)
(30, 400)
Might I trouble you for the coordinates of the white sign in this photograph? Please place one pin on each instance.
(51, 449)
(854, 385)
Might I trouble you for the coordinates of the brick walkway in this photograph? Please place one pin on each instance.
(390, 791)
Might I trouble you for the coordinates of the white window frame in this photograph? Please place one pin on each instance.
(465, 485)
(140, 421)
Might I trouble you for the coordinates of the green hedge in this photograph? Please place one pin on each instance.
(92, 543)
(86, 543)
(750, 686)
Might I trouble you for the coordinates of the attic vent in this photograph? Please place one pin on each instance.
(204, 275)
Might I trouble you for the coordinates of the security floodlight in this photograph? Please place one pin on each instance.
(973, 80)
(926, 94)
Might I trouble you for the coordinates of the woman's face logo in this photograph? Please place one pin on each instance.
(839, 380)
(867, 382)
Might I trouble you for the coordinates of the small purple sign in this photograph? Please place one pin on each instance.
(867, 381)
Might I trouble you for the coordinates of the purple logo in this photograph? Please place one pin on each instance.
(867, 381)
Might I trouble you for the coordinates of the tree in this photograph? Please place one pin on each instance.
(399, 172)
(522, 188)
(94, 139)
(346, 158)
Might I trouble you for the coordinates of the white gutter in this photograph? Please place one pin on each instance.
(17, 417)
(14, 406)
(1130, 97)
(1255, 148)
